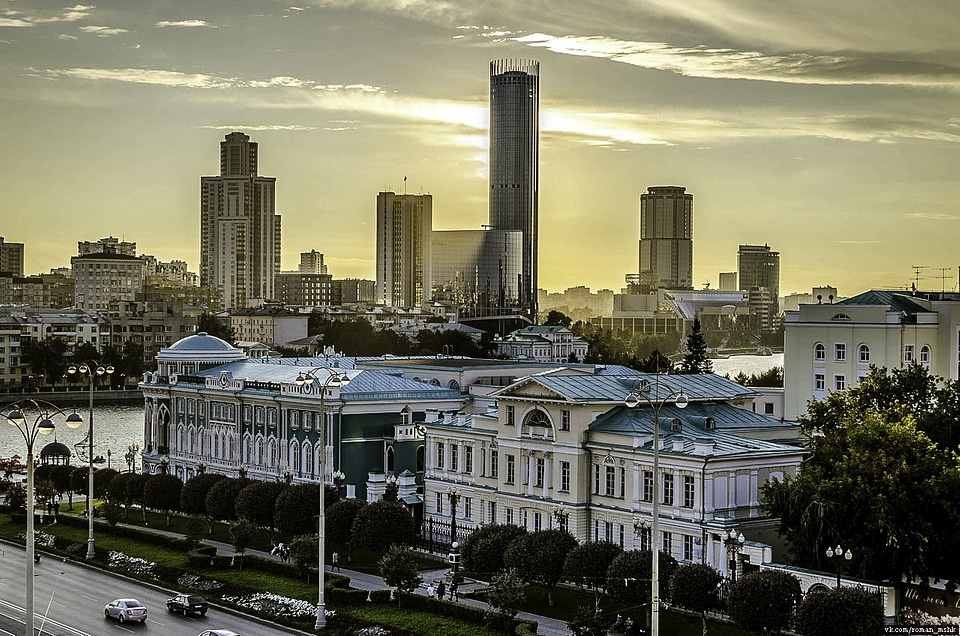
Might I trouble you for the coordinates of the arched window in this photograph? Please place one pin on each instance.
(421, 459)
(307, 453)
(863, 354)
(537, 418)
(295, 457)
(819, 351)
(454, 385)
(926, 355)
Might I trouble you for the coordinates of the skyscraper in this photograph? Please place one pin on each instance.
(11, 257)
(666, 237)
(515, 161)
(239, 227)
(759, 270)
(404, 225)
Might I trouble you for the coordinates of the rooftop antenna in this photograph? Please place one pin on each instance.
(404, 184)
(916, 275)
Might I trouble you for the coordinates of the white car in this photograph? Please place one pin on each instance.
(217, 632)
(125, 609)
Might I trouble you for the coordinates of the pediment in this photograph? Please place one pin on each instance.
(530, 390)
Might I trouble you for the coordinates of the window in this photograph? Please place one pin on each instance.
(493, 512)
(645, 538)
(511, 415)
(907, 354)
(540, 465)
(440, 454)
(467, 507)
(687, 548)
(819, 351)
(667, 489)
(623, 481)
(536, 522)
(647, 485)
(839, 382)
(666, 540)
(511, 469)
(454, 456)
(925, 355)
(596, 479)
(608, 532)
(564, 420)
(610, 481)
(509, 514)
(768, 408)
(819, 382)
(468, 459)
(863, 354)
(689, 494)
(565, 476)
(494, 463)
(439, 503)
(840, 352)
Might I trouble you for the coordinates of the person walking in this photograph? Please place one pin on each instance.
(441, 589)
(431, 591)
(335, 562)
(454, 595)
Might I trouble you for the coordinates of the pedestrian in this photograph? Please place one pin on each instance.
(285, 554)
(441, 589)
(335, 561)
(431, 591)
(454, 596)
(274, 550)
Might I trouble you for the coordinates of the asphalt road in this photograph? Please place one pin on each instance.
(69, 599)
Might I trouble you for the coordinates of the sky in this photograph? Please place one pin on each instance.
(827, 130)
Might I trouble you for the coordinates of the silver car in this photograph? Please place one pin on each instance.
(218, 632)
(125, 609)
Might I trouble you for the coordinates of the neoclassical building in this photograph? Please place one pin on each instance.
(562, 450)
(209, 407)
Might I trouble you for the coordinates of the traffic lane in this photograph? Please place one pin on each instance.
(74, 595)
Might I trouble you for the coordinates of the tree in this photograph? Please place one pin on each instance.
(507, 593)
(845, 611)
(398, 567)
(587, 564)
(696, 360)
(79, 483)
(242, 533)
(120, 491)
(257, 502)
(162, 493)
(213, 326)
(482, 550)
(369, 524)
(539, 556)
(305, 554)
(193, 496)
(764, 600)
(222, 497)
(46, 358)
(60, 476)
(339, 522)
(295, 512)
(17, 497)
(135, 491)
(101, 481)
(694, 586)
(629, 575)
(557, 319)
(196, 528)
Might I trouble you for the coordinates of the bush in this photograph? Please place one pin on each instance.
(844, 612)
(694, 586)
(764, 600)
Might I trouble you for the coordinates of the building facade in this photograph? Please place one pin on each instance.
(666, 237)
(300, 289)
(11, 257)
(105, 277)
(477, 269)
(404, 227)
(239, 226)
(268, 325)
(515, 162)
(543, 344)
(759, 275)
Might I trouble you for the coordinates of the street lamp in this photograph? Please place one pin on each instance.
(391, 492)
(733, 542)
(335, 380)
(641, 530)
(131, 457)
(561, 515)
(642, 392)
(16, 415)
(91, 370)
(838, 554)
(338, 479)
(454, 494)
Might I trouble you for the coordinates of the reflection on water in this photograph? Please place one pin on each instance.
(115, 427)
(749, 365)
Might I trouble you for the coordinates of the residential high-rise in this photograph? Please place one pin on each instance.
(759, 270)
(477, 270)
(11, 257)
(515, 161)
(239, 226)
(404, 225)
(666, 237)
(312, 263)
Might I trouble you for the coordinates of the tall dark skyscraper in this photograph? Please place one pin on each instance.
(515, 162)
(666, 237)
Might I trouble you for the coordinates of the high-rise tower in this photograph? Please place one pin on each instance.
(666, 237)
(239, 227)
(759, 270)
(515, 161)
(404, 227)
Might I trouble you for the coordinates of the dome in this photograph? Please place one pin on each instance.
(201, 342)
(55, 453)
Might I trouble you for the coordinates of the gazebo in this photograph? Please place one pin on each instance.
(55, 453)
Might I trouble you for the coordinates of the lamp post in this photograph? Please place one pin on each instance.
(561, 515)
(391, 492)
(91, 370)
(336, 380)
(17, 415)
(453, 494)
(642, 392)
(131, 457)
(338, 479)
(733, 542)
(641, 530)
(841, 556)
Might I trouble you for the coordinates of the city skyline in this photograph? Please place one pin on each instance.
(827, 132)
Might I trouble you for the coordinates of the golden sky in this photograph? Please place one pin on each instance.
(827, 130)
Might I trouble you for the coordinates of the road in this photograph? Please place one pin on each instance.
(69, 599)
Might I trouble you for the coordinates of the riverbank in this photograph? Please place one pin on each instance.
(78, 396)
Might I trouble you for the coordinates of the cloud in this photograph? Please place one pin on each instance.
(933, 216)
(65, 36)
(75, 13)
(261, 127)
(145, 76)
(724, 63)
(103, 31)
(185, 23)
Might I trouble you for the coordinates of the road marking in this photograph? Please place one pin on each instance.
(19, 614)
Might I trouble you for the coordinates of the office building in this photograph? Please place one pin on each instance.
(666, 238)
(477, 269)
(759, 269)
(404, 225)
(239, 226)
(515, 162)
(101, 278)
(11, 257)
(312, 263)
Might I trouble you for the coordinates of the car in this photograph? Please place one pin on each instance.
(125, 609)
(218, 632)
(187, 604)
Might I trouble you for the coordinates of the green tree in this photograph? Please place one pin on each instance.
(507, 593)
(120, 491)
(399, 570)
(101, 481)
(213, 326)
(196, 528)
(193, 496)
(557, 319)
(340, 517)
(17, 497)
(696, 360)
(840, 612)
(629, 575)
(305, 554)
(79, 483)
(46, 358)
(296, 510)
(482, 550)
(222, 498)
(257, 502)
(242, 533)
(369, 524)
(60, 476)
(764, 601)
(162, 493)
(695, 586)
(539, 556)
(587, 565)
